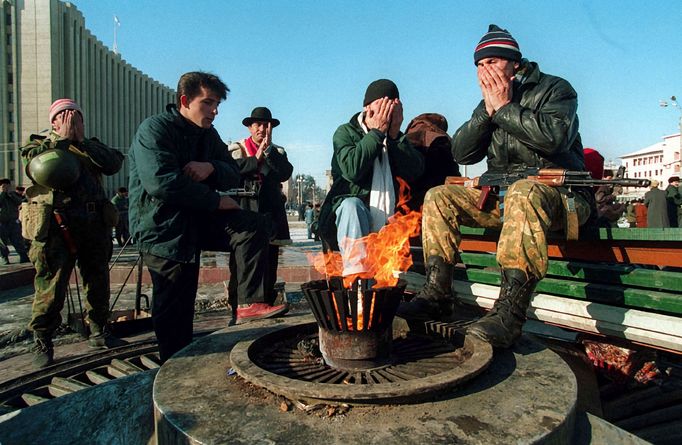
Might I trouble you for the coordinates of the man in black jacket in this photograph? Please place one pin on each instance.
(526, 119)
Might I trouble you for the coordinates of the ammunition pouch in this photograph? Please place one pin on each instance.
(36, 213)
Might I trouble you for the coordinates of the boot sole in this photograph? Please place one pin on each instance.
(272, 314)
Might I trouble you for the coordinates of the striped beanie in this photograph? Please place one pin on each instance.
(60, 105)
(497, 42)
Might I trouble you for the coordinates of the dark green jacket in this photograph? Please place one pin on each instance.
(167, 207)
(353, 165)
(539, 128)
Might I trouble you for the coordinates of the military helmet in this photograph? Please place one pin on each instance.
(56, 169)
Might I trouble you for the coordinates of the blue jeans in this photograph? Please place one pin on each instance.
(352, 223)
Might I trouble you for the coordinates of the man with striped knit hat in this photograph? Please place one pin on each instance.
(525, 119)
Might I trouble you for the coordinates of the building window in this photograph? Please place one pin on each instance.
(10, 97)
(9, 59)
(10, 136)
(10, 117)
(9, 39)
(8, 19)
(10, 79)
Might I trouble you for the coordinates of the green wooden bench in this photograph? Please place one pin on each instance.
(609, 282)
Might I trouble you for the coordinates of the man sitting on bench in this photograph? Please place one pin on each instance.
(526, 119)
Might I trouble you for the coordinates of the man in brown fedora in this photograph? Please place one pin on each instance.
(263, 166)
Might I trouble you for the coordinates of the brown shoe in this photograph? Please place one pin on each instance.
(257, 311)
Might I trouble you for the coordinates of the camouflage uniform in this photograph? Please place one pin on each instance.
(90, 217)
(532, 210)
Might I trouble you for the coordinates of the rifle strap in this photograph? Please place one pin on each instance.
(572, 224)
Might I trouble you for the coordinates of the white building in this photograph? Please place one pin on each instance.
(659, 161)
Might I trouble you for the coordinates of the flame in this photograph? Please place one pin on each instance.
(382, 253)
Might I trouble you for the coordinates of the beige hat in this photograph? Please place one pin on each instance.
(654, 184)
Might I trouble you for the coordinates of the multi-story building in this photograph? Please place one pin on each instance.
(47, 53)
(658, 161)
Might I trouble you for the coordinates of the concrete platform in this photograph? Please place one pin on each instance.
(194, 393)
(114, 413)
(527, 395)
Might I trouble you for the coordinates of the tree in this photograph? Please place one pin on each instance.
(304, 189)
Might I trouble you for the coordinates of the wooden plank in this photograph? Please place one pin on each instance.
(596, 233)
(668, 302)
(629, 252)
(624, 274)
(650, 329)
(629, 317)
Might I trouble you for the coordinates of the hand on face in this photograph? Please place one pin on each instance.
(396, 119)
(265, 142)
(198, 171)
(378, 114)
(496, 86)
(69, 125)
(4, 188)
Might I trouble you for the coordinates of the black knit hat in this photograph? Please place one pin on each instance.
(380, 88)
(497, 42)
(260, 114)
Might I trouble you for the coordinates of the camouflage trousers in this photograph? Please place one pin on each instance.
(532, 210)
(54, 263)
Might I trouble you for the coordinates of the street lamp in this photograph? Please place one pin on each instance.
(313, 191)
(299, 181)
(675, 104)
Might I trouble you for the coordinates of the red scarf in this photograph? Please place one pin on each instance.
(251, 147)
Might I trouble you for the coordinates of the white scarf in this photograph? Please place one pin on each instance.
(382, 195)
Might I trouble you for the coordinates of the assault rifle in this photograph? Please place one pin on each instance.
(491, 182)
(240, 193)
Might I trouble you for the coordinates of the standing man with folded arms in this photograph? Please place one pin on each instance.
(178, 166)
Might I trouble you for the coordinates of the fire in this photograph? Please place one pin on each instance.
(382, 253)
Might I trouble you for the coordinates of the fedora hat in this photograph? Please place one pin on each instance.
(260, 114)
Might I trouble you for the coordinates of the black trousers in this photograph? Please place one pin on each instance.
(243, 233)
(235, 297)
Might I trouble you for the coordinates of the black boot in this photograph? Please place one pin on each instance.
(435, 300)
(502, 325)
(43, 351)
(101, 338)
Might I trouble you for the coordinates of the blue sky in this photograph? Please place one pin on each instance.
(310, 61)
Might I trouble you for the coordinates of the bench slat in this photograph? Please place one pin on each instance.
(596, 273)
(660, 247)
(601, 293)
(603, 234)
(643, 327)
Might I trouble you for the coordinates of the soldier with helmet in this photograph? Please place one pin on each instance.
(68, 217)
